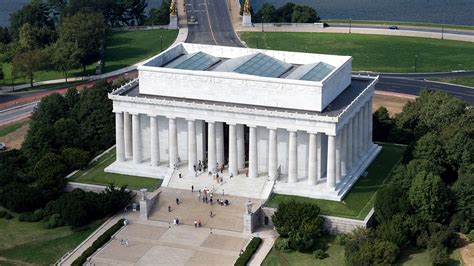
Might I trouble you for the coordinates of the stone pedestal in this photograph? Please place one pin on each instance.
(248, 218)
(143, 204)
(247, 20)
(173, 22)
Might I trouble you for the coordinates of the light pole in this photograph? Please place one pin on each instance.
(416, 58)
(161, 42)
(442, 32)
(262, 22)
(350, 25)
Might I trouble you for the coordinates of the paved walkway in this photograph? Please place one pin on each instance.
(268, 236)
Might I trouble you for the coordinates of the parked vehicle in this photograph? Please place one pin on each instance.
(393, 27)
(3, 146)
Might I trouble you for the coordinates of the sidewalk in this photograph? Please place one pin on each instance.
(268, 236)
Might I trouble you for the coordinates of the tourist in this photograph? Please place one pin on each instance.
(203, 199)
(126, 242)
(222, 169)
(210, 214)
(206, 199)
(199, 193)
(211, 201)
(241, 252)
(231, 175)
(222, 180)
(194, 167)
(192, 188)
(169, 208)
(177, 201)
(174, 221)
(223, 192)
(177, 221)
(179, 174)
(199, 223)
(179, 160)
(121, 242)
(195, 224)
(226, 202)
(247, 173)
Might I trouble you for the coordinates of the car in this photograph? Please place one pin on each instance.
(393, 27)
(3, 146)
(192, 19)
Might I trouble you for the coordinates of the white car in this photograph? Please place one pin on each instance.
(3, 146)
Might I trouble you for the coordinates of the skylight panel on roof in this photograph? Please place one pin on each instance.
(195, 61)
(263, 65)
(318, 72)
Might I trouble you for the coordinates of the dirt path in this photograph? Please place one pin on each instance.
(15, 139)
(467, 251)
(393, 103)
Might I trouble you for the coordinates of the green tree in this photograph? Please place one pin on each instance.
(390, 201)
(285, 12)
(75, 158)
(159, 16)
(267, 13)
(428, 195)
(396, 230)
(28, 62)
(86, 30)
(66, 56)
(304, 14)
(36, 13)
(382, 124)
(430, 148)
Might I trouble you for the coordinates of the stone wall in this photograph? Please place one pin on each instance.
(334, 225)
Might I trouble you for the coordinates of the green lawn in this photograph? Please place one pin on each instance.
(466, 81)
(402, 23)
(12, 127)
(123, 49)
(32, 243)
(373, 52)
(336, 256)
(94, 174)
(335, 252)
(360, 200)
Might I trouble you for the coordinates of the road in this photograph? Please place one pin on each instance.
(213, 24)
(410, 28)
(16, 113)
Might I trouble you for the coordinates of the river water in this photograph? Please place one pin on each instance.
(438, 11)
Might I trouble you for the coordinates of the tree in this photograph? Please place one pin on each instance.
(428, 195)
(159, 16)
(34, 37)
(430, 148)
(5, 36)
(304, 14)
(36, 13)
(135, 11)
(285, 12)
(86, 30)
(390, 201)
(266, 12)
(382, 124)
(66, 56)
(396, 230)
(28, 62)
(75, 158)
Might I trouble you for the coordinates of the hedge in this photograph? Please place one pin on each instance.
(98, 243)
(249, 251)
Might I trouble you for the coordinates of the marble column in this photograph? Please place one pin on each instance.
(344, 152)
(192, 147)
(370, 122)
(137, 147)
(211, 147)
(233, 149)
(331, 168)
(319, 156)
(361, 133)
(240, 146)
(312, 160)
(220, 143)
(293, 158)
(127, 121)
(253, 157)
(350, 139)
(272, 154)
(173, 142)
(338, 155)
(366, 126)
(355, 140)
(119, 137)
(154, 141)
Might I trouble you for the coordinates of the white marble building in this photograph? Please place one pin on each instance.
(298, 121)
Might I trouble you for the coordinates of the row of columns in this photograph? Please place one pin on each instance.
(344, 150)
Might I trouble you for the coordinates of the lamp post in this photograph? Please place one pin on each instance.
(161, 42)
(442, 32)
(350, 25)
(262, 22)
(416, 58)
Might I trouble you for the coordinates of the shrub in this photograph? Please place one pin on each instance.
(2, 214)
(341, 239)
(75, 158)
(249, 251)
(389, 201)
(320, 254)
(31, 216)
(54, 221)
(395, 230)
(99, 242)
(8, 216)
(439, 255)
(363, 249)
(282, 244)
(471, 236)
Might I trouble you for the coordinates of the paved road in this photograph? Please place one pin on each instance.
(410, 28)
(17, 113)
(213, 24)
(413, 87)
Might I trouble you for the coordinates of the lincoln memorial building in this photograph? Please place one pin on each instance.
(271, 121)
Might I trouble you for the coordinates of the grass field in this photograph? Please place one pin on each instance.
(336, 257)
(373, 52)
(360, 200)
(402, 23)
(94, 174)
(466, 81)
(31, 243)
(123, 49)
(5, 130)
